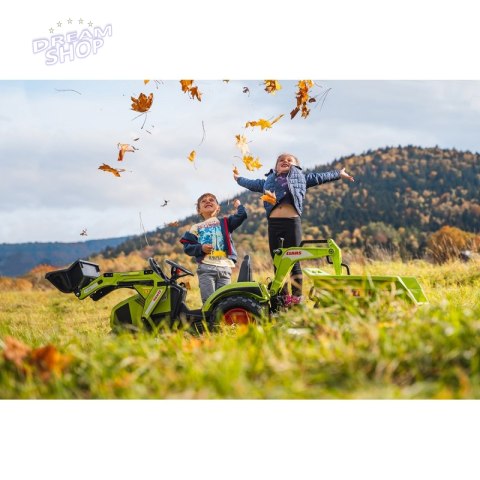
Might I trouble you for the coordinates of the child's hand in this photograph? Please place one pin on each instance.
(207, 248)
(237, 203)
(345, 175)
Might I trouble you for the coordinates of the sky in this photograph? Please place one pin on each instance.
(54, 134)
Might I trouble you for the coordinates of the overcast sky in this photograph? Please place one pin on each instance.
(52, 141)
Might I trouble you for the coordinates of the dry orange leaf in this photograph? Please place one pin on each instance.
(251, 163)
(176, 223)
(108, 168)
(269, 197)
(145, 82)
(123, 148)
(262, 123)
(235, 170)
(242, 144)
(142, 103)
(187, 86)
(43, 360)
(303, 97)
(271, 86)
(192, 155)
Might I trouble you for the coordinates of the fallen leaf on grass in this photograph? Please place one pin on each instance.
(42, 361)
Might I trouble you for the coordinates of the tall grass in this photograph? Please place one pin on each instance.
(384, 349)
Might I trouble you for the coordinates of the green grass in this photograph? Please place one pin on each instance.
(387, 349)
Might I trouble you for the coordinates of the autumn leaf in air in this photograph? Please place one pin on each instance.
(145, 82)
(187, 86)
(108, 168)
(251, 163)
(142, 103)
(271, 86)
(242, 144)
(269, 197)
(235, 170)
(262, 123)
(176, 223)
(303, 97)
(122, 149)
(192, 156)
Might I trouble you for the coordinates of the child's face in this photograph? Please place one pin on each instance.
(208, 207)
(284, 163)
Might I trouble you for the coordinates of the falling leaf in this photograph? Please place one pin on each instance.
(262, 123)
(135, 139)
(246, 90)
(269, 197)
(235, 170)
(142, 103)
(226, 81)
(271, 86)
(192, 155)
(176, 223)
(145, 81)
(303, 97)
(242, 144)
(108, 168)
(84, 232)
(165, 203)
(187, 86)
(123, 148)
(251, 163)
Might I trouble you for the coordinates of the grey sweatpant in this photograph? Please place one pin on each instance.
(211, 278)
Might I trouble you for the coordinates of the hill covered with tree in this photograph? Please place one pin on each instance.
(401, 196)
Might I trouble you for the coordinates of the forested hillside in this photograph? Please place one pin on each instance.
(401, 195)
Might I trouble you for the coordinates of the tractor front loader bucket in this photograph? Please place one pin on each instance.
(75, 277)
(325, 284)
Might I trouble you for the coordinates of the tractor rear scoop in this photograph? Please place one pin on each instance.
(406, 288)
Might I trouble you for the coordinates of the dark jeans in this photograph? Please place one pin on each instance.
(290, 229)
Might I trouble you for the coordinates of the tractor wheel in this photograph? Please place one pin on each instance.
(237, 310)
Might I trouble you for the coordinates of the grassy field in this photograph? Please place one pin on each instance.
(386, 350)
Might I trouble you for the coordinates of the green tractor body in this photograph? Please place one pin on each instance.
(160, 300)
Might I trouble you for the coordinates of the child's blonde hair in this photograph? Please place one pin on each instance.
(283, 155)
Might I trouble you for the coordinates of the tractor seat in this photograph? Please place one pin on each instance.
(245, 273)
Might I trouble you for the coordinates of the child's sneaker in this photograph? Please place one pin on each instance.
(287, 301)
(296, 300)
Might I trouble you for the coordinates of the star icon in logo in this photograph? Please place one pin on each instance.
(69, 21)
(80, 21)
(90, 24)
(51, 30)
(59, 24)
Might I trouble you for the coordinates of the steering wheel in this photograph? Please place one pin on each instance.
(156, 268)
(176, 266)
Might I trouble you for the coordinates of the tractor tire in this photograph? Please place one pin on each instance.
(237, 310)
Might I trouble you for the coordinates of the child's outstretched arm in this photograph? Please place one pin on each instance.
(253, 185)
(235, 220)
(314, 178)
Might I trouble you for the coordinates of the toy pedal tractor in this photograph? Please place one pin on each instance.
(161, 300)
